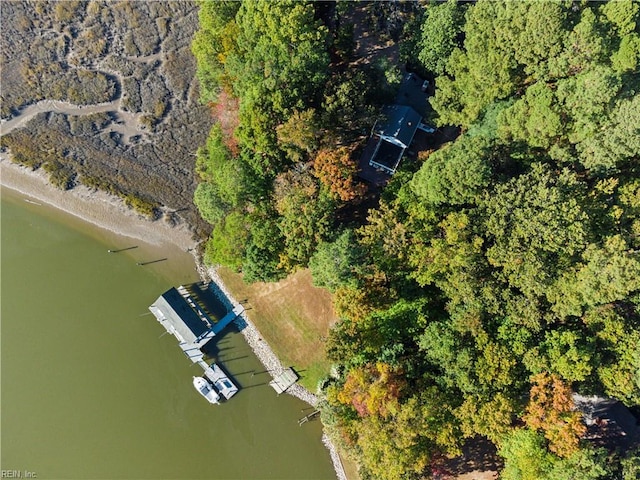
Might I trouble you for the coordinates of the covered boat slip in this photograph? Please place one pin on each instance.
(219, 379)
(186, 319)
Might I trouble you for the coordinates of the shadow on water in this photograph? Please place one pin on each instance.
(228, 360)
(213, 305)
(220, 349)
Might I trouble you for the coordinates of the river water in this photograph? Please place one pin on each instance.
(92, 390)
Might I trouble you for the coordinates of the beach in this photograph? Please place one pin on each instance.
(93, 206)
(110, 213)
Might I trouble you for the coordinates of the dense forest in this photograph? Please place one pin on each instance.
(495, 276)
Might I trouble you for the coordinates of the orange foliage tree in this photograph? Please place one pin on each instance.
(225, 111)
(552, 410)
(337, 170)
(372, 390)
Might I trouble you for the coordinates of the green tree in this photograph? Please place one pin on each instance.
(616, 143)
(587, 463)
(606, 273)
(215, 165)
(631, 465)
(484, 71)
(536, 223)
(534, 118)
(491, 418)
(212, 43)
(305, 209)
(525, 456)
(334, 263)
(210, 204)
(618, 341)
(261, 262)
(279, 67)
(455, 175)
(227, 243)
(441, 28)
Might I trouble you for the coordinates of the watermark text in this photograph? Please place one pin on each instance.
(17, 474)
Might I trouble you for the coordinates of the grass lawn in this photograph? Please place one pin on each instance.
(293, 317)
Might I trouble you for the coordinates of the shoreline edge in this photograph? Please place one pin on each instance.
(108, 212)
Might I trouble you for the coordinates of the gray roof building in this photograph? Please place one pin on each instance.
(394, 134)
(184, 319)
(399, 126)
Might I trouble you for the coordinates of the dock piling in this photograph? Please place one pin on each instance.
(306, 418)
(122, 249)
(141, 264)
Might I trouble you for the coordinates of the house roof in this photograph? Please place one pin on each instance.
(387, 156)
(401, 123)
(179, 315)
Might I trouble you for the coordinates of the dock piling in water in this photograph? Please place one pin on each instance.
(122, 249)
(141, 264)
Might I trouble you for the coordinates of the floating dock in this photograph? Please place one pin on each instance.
(282, 382)
(219, 379)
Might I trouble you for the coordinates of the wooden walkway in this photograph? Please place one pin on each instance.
(227, 319)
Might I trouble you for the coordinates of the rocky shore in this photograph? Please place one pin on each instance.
(110, 213)
(272, 363)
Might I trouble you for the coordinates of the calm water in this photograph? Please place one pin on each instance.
(90, 389)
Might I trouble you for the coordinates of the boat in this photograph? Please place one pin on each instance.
(220, 380)
(206, 390)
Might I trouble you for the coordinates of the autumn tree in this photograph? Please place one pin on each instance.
(337, 170)
(552, 411)
(298, 136)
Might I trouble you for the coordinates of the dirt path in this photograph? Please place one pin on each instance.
(127, 123)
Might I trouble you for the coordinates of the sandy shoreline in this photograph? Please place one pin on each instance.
(110, 213)
(92, 206)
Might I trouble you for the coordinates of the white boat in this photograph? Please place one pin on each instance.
(206, 390)
(220, 380)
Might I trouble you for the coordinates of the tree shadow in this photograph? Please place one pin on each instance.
(478, 454)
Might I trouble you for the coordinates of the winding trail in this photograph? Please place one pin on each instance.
(126, 123)
(46, 106)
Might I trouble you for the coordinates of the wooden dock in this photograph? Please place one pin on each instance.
(282, 382)
(306, 418)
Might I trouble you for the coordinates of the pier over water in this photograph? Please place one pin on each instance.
(193, 327)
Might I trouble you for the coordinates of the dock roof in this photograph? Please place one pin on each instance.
(180, 315)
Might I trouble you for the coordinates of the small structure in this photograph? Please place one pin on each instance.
(395, 134)
(181, 317)
(282, 382)
(391, 138)
(219, 379)
(609, 423)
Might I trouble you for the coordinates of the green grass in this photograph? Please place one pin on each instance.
(293, 317)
